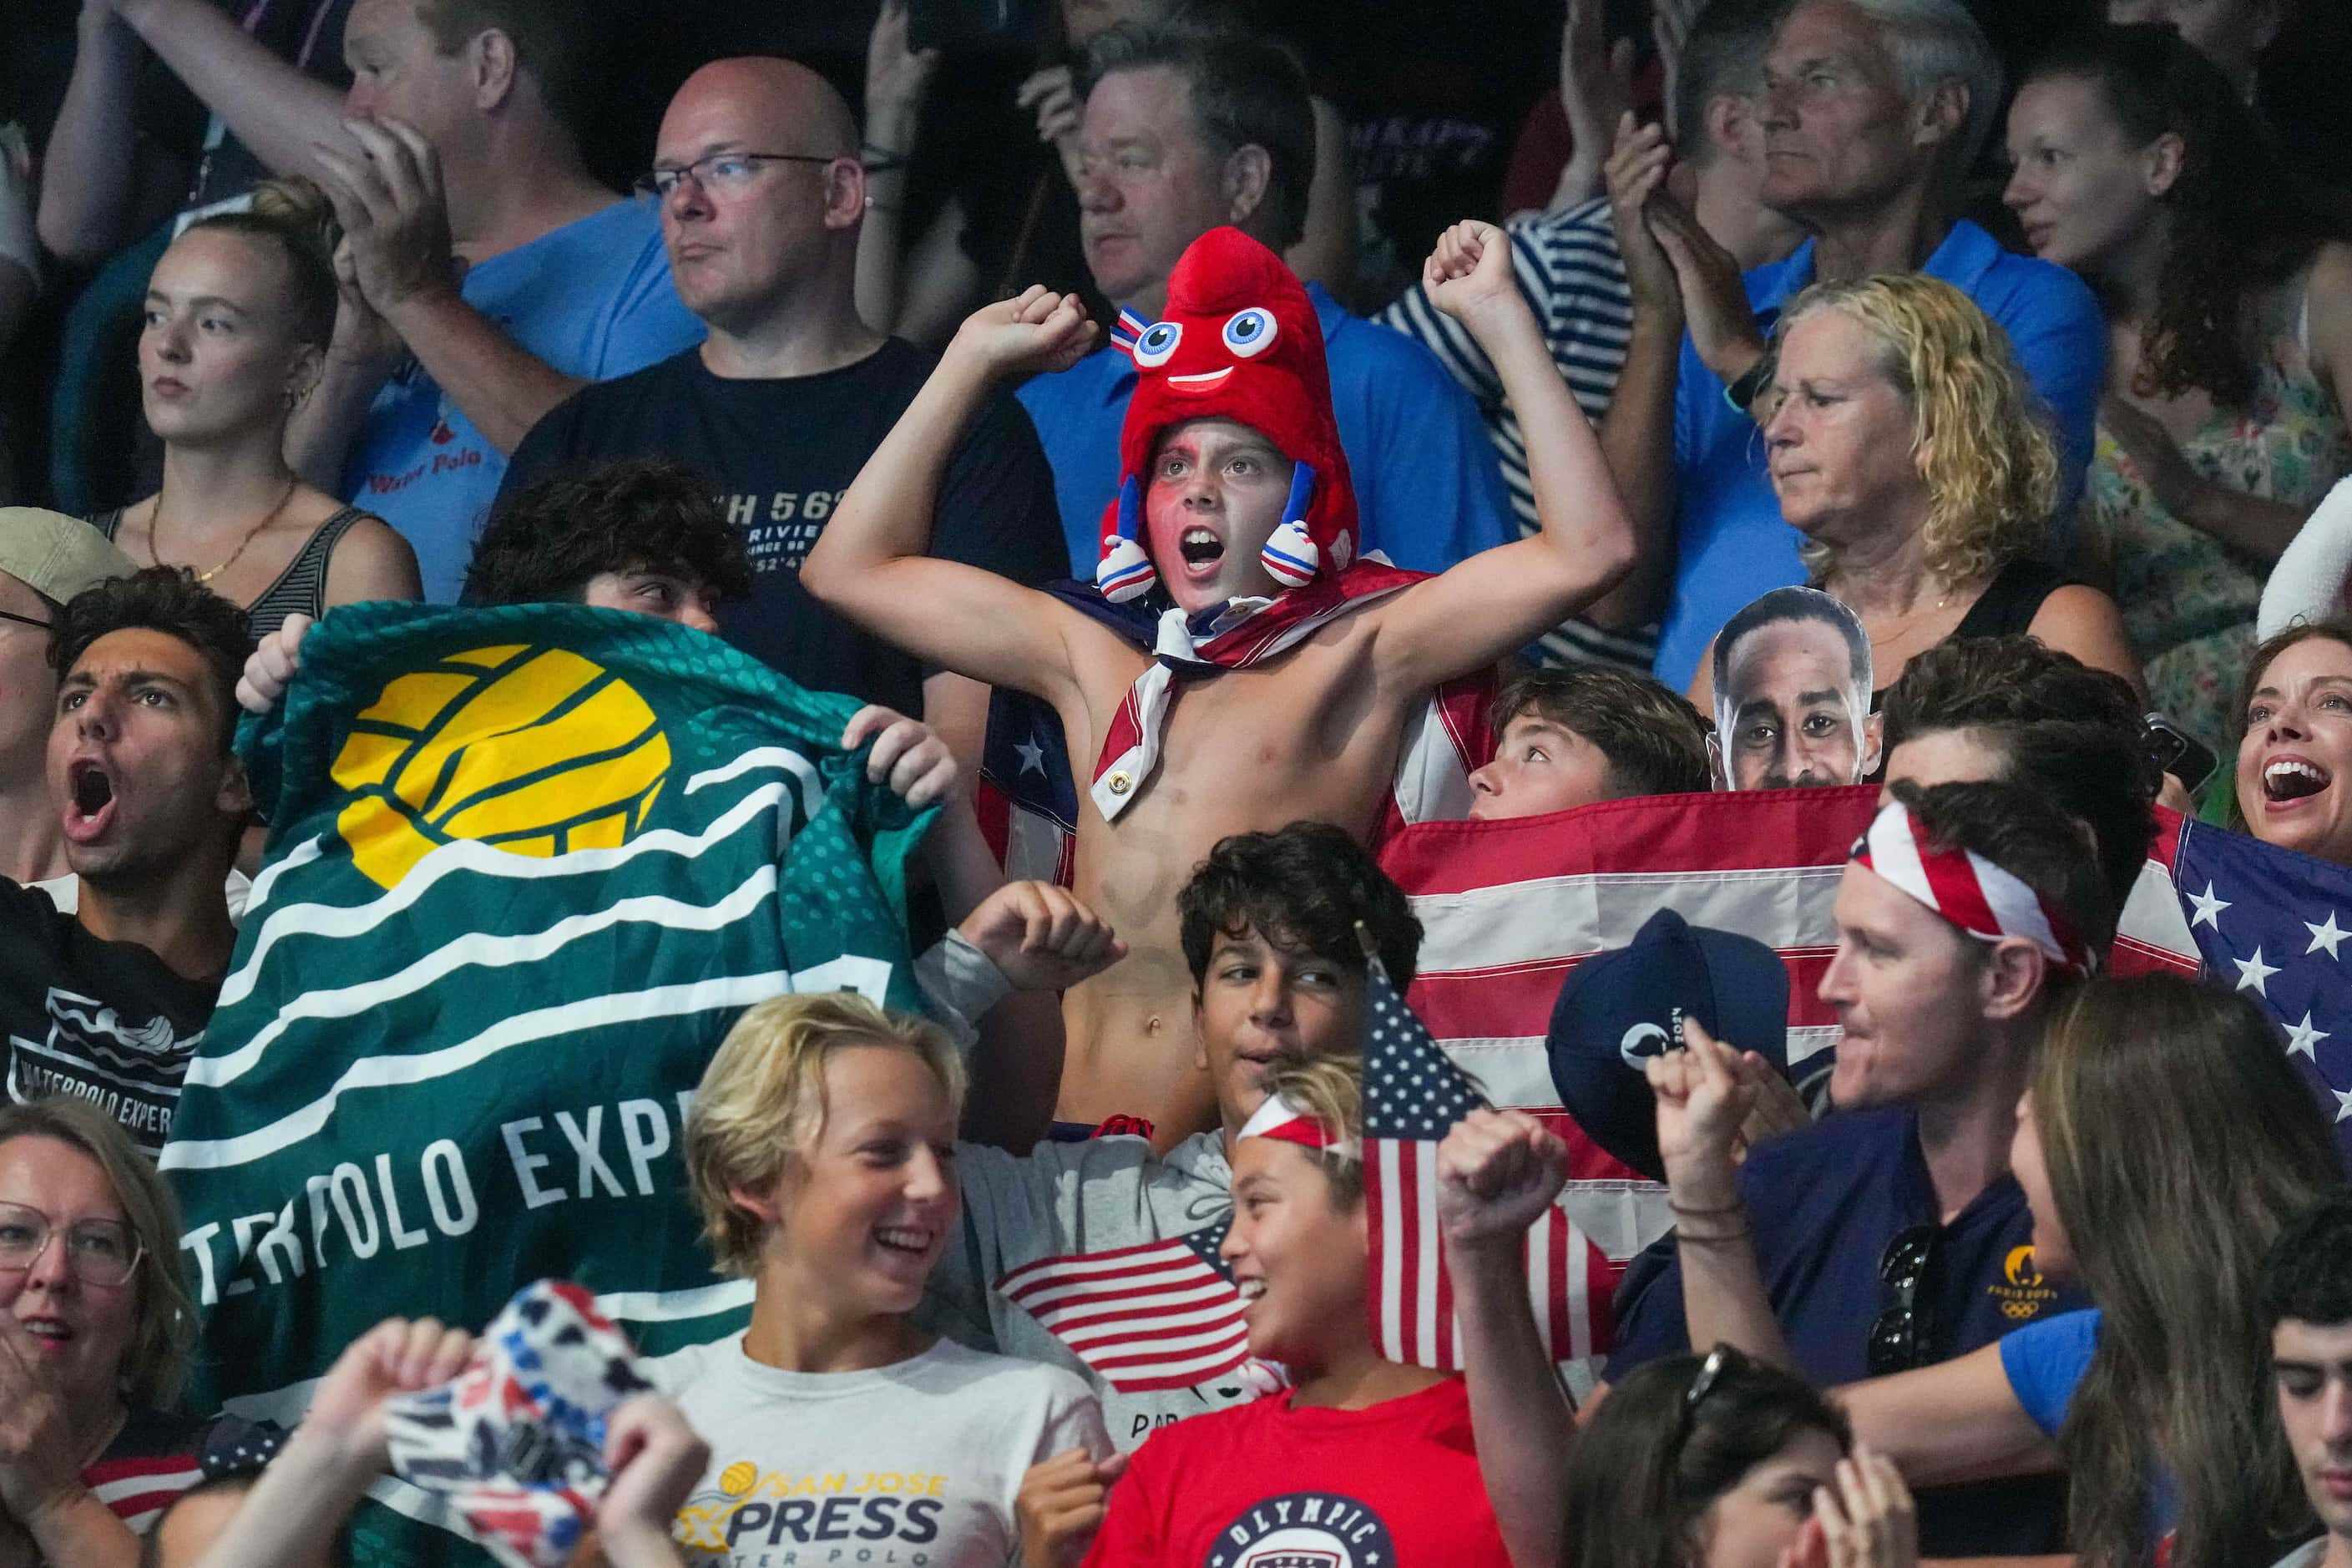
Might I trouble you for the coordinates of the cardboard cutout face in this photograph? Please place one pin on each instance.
(1792, 684)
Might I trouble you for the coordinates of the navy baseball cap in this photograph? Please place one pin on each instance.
(1619, 1008)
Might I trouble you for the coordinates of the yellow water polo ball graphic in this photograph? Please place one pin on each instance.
(738, 1478)
(533, 751)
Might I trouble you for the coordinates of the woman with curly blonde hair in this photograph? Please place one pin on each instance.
(1904, 445)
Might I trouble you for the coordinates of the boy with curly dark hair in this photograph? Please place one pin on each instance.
(642, 534)
(104, 1004)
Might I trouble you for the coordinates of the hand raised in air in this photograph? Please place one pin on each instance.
(1468, 275)
(1036, 335)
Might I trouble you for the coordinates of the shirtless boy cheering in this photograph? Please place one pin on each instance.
(1237, 503)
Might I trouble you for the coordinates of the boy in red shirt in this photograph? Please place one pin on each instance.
(1364, 1460)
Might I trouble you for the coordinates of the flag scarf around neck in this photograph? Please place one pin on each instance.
(1233, 635)
(1028, 800)
(526, 868)
(1966, 890)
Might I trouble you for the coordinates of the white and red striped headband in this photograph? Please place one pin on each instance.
(1278, 1119)
(1966, 890)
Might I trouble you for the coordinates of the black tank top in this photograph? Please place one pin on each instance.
(301, 588)
(2010, 602)
(2006, 608)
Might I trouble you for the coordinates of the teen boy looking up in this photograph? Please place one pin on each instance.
(1235, 486)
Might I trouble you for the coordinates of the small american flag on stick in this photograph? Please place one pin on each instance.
(1162, 1314)
(1414, 1094)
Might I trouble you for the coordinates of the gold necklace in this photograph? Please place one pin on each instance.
(1904, 626)
(156, 530)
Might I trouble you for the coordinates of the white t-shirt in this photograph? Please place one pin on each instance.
(912, 1466)
(2308, 1555)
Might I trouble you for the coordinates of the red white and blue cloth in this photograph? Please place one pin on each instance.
(1029, 800)
(1286, 1123)
(515, 1443)
(1980, 897)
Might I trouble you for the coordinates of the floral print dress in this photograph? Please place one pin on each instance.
(2189, 600)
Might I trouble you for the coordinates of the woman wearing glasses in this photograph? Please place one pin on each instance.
(95, 1326)
(2163, 1140)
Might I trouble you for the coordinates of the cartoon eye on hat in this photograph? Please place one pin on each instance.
(1252, 331)
(1158, 343)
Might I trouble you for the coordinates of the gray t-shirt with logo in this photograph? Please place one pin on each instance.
(915, 1463)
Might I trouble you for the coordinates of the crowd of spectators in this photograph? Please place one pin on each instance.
(1285, 442)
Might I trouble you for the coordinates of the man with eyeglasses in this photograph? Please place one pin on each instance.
(46, 558)
(1891, 1234)
(761, 193)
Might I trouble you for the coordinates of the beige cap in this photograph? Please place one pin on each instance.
(55, 555)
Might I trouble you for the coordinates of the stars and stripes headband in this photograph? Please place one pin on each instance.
(1966, 888)
(1278, 1119)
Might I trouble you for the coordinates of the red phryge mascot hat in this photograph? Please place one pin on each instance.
(1239, 340)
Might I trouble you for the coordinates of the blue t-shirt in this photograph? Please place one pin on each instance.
(2046, 1362)
(592, 298)
(1825, 1202)
(1731, 545)
(1428, 491)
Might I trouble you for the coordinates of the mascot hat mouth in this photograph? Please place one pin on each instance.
(1240, 340)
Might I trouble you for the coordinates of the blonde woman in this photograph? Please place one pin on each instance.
(95, 1325)
(1904, 445)
(821, 1151)
(239, 316)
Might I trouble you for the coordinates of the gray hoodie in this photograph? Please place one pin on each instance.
(1067, 1198)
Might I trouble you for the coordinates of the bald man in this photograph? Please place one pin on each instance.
(761, 197)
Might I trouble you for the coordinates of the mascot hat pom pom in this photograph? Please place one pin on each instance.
(1239, 340)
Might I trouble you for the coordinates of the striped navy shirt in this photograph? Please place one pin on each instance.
(1570, 270)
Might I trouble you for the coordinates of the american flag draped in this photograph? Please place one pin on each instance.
(1509, 908)
(1412, 1097)
(1164, 1314)
(2271, 921)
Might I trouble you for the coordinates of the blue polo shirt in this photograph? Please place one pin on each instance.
(592, 298)
(1730, 542)
(1428, 489)
(1825, 1201)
